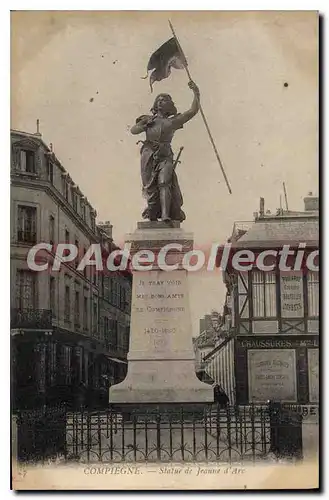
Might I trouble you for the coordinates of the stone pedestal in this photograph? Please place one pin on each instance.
(161, 361)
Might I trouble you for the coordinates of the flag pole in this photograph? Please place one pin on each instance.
(202, 113)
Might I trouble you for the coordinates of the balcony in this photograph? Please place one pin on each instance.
(31, 318)
(116, 350)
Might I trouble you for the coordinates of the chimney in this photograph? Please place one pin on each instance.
(311, 203)
(38, 128)
(261, 207)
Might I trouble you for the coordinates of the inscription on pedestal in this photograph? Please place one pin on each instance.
(160, 307)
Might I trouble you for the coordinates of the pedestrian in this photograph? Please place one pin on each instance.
(220, 396)
(81, 394)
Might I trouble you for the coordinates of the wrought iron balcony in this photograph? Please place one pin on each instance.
(31, 318)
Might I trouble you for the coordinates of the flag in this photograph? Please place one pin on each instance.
(162, 60)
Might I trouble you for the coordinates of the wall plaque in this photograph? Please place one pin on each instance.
(272, 375)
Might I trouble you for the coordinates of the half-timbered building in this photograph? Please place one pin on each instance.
(274, 330)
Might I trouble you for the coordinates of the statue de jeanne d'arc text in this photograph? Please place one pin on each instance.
(159, 179)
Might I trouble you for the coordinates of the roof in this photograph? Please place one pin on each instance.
(280, 231)
(38, 138)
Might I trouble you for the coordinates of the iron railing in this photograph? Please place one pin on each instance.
(31, 318)
(235, 434)
(212, 433)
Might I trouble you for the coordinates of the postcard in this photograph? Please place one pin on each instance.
(164, 250)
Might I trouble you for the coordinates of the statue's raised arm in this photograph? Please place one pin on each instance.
(180, 119)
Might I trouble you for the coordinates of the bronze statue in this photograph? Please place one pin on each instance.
(159, 179)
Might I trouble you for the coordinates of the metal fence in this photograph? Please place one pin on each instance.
(231, 434)
(214, 434)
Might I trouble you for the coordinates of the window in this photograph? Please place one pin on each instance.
(106, 325)
(122, 298)
(76, 262)
(26, 227)
(115, 292)
(85, 268)
(107, 291)
(52, 357)
(264, 294)
(118, 294)
(74, 199)
(67, 354)
(93, 222)
(94, 271)
(120, 336)
(52, 295)
(77, 365)
(77, 309)
(313, 293)
(113, 334)
(83, 210)
(128, 300)
(27, 161)
(95, 318)
(50, 171)
(67, 305)
(65, 187)
(25, 290)
(51, 229)
(111, 290)
(126, 338)
(85, 313)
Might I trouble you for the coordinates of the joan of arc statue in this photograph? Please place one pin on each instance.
(159, 179)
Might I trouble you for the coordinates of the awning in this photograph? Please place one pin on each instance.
(116, 360)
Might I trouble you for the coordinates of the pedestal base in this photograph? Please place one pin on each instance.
(163, 413)
(161, 360)
(161, 381)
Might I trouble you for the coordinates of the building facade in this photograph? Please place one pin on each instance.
(214, 334)
(209, 329)
(218, 360)
(59, 337)
(115, 307)
(272, 351)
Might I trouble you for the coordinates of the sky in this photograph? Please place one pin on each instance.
(80, 73)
